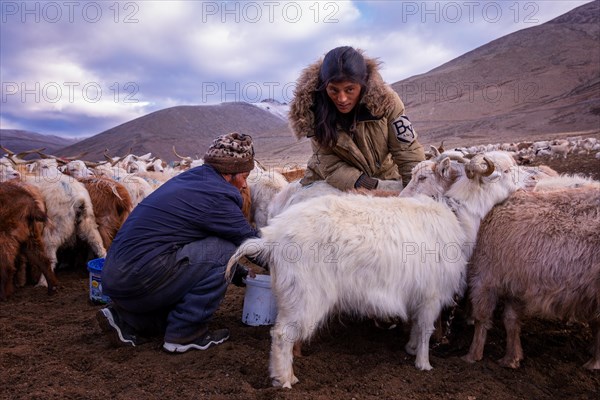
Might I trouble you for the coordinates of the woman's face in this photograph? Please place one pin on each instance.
(238, 180)
(345, 95)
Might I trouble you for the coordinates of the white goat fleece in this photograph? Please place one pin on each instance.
(361, 255)
(371, 256)
(264, 186)
(295, 193)
(70, 213)
(566, 181)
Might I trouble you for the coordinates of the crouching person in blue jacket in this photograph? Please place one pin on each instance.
(164, 272)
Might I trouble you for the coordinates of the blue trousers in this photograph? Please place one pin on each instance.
(190, 289)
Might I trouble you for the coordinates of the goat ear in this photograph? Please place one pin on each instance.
(445, 168)
(434, 151)
(441, 148)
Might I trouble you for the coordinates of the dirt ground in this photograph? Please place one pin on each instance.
(52, 348)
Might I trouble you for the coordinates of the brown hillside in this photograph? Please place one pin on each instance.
(17, 141)
(532, 83)
(191, 129)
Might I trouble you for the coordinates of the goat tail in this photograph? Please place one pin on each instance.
(252, 248)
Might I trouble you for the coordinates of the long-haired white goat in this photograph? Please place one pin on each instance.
(377, 257)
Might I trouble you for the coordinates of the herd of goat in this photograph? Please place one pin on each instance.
(476, 222)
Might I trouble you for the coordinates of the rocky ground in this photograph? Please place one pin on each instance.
(52, 348)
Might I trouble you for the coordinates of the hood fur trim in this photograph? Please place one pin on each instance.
(379, 97)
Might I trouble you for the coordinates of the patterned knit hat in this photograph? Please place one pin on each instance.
(232, 153)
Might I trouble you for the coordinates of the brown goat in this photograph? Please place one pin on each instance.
(539, 252)
(21, 262)
(21, 235)
(111, 203)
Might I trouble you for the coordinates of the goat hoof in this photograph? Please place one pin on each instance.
(287, 384)
(509, 362)
(592, 364)
(410, 350)
(52, 290)
(277, 383)
(468, 358)
(424, 367)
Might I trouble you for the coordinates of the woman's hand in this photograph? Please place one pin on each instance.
(394, 186)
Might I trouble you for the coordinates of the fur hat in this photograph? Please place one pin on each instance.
(232, 153)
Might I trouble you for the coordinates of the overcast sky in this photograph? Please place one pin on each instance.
(78, 68)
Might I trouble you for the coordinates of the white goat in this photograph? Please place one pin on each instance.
(264, 186)
(78, 169)
(7, 172)
(137, 186)
(560, 147)
(69, 209)
(295, 193)
(566, 181)
(373, 256)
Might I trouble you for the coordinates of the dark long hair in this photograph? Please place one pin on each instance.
(340, 64)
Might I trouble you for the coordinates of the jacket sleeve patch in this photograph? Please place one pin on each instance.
(404, 129)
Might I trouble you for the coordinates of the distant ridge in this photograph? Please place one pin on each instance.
(191, 129)
(18, 140)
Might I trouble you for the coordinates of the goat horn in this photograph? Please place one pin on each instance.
(182, 157)
(59, 160)
(25, 153)
(44, 155)
(107, 157)
(73, 158)
(473, 168)
(454, 157)
(260, 164)
(93, 164)
(113, 163)
(11, 157)
(490, 167)
(16, 161)
(7, 151)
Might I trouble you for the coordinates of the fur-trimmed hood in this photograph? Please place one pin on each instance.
(379, 97)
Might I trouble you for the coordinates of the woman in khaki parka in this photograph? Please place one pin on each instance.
(359, 134)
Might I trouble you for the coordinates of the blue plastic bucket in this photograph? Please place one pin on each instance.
(95, 268)
(259, 303)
